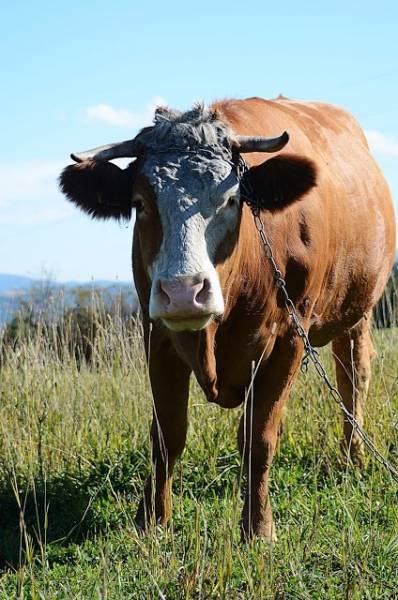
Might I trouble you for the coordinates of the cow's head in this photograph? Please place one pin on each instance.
(185, 187)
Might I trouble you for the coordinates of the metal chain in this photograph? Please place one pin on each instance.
(310, 353)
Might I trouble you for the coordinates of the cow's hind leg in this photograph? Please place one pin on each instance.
(353, 352)
(170, 388)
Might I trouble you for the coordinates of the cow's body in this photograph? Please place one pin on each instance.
(335, 248)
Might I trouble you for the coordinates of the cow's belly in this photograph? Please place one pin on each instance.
(348, 296)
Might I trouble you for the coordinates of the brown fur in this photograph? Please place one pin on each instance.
(336, 259)
(335, 247)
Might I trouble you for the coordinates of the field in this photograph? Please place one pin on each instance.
(75, 451)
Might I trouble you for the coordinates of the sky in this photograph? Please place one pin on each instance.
(79, 74)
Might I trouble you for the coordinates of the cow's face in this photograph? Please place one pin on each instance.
(187, 219)
(185, 189)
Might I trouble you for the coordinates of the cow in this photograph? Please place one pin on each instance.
(206, 287)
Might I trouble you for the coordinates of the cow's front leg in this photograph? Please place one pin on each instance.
(258, 435)
(170, 388)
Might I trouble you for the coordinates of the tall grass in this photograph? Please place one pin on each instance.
(74, 452)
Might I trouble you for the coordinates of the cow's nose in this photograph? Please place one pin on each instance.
(184, 296)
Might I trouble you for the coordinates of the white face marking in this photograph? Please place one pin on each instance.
(198, 203)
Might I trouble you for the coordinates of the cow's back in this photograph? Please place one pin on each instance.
(344, 230)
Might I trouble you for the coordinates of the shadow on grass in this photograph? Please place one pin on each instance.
(68, 508)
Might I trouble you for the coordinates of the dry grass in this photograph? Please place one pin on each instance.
(75, 450)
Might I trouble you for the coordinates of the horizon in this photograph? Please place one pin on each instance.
(67, 93)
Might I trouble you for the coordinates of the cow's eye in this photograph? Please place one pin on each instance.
(139, 205)
(232, 201)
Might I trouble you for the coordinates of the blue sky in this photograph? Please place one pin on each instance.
(79, 74)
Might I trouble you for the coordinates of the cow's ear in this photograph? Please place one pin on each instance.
(280, 181)
(99, 188)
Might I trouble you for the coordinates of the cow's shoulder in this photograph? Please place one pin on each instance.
(310, 117)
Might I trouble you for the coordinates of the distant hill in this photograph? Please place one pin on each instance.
(15, 289)
(10, 283)
(14, 283)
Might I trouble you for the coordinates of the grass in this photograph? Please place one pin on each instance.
(74, 452)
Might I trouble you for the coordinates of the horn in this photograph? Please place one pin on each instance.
(248, 143)
(126, 149)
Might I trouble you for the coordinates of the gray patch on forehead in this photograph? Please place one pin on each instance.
(198, 176)
(198, 127)
(189, 151)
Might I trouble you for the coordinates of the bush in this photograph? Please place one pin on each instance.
(385, 313)
(68, 331)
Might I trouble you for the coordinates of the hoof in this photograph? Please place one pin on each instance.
(144, 522)
(353, 453)
(267, 534)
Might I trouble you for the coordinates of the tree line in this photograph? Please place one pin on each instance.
(70, 321)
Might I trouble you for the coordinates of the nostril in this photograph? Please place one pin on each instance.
(202, 295)
(163, 294)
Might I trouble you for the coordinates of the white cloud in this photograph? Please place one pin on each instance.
(28, 180)
(29, 193)
(382, 144)
(36, 217)
(121, 117)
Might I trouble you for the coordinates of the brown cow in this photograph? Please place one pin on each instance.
(206, 285)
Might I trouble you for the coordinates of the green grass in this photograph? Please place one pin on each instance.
(75, 452)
